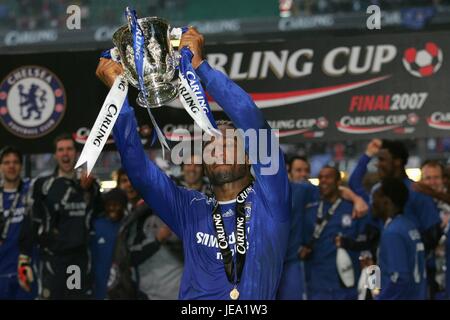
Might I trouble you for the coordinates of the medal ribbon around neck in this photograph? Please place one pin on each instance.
(233, 270)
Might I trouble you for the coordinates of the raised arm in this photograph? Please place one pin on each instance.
(439, 195)
(270, 172)
(356, 179)
(360, 206)
(158, 190)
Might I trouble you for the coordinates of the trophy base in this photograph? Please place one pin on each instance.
(158, 96)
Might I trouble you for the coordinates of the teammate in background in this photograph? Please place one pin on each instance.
(63, 207)
(103, 239)
(192, 176)
(432, 184)
(13, 208)
(420, 208)
(299, 169)
(324, 220)
(401, 256)
(263, 218)
(139, 270)
(148, 260)
(292, 284)
(124, 184)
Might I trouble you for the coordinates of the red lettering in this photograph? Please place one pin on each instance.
(354, 102)
(368, 103)
(379, 103)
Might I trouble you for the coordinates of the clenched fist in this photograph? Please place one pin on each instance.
(108, 70)
(373, 147)
(195, 42)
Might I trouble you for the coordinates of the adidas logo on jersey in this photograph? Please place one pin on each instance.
(228, 213)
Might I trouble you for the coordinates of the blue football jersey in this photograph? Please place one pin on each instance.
(189, 213)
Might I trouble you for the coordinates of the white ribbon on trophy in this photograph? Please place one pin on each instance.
(103, 124)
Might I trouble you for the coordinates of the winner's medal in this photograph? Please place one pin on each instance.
(234, 294)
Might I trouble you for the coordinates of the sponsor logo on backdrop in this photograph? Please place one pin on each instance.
(439, 120)
(378, 123)
(423, 62)
(369, 114)
(14, 38)
(337, 62)
(309, 128)
(32, 101)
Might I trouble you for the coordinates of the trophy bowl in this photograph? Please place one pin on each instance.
(160, 61)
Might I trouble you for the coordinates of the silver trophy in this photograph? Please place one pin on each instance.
(160, 61)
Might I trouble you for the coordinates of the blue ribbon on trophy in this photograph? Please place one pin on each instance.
(192, 95)
(144, 49)
(139, 52)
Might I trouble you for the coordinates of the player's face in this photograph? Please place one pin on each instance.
(125, 185)
(385, 164)
(433, 177)
(11, 167)
(328, 183)
(65, 155)
(299, 171)
(114, 210)
(225, 159)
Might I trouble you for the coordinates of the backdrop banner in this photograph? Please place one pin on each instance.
(319, 88)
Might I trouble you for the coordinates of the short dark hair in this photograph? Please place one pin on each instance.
(10, 150)
(336, 172)
(397, 150)
(294, 158)
(61, 137)
(435, 164)
(395, 189)
(117, 195)
(227, 123)
(222, 122)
